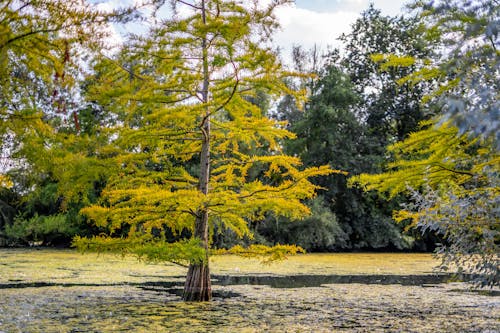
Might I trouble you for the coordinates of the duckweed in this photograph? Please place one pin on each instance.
(63, 291)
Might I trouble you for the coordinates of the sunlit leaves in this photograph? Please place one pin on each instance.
(467, 68)
(145, 247)
(453, 181)
(433, 156)
(164, 88)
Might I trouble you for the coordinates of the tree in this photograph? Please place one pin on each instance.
(390, 109)
(39, 55)
(185, 134)
(454, 183)
(329, 133)
(318, 232)
(356, 109)
(469, 70)
(43, 44)
(451, 165)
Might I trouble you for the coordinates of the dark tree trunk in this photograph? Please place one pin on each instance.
(198, 287)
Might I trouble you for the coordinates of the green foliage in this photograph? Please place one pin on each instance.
(470, 221)
(434, 156)
(465, 71)
(36, 218)
(42, 46)
(148, 248)
(268, 254)
(356, 109)
(38, 230)
(453, 180)
(318, 232)
(451, 167)
(468, 32)
(8, 200)
(390, 107)
(329, 132)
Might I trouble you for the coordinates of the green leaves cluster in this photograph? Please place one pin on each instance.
(146, 247)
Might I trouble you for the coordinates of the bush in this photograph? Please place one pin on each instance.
(318, 232)
(41, 230)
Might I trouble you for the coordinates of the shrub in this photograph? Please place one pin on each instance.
(41, 230)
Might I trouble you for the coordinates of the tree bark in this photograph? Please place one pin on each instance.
(198, 287)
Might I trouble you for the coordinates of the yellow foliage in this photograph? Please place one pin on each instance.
(434, 155)
(153, 87)
(5, 181)
(387, 61)
(404, 215)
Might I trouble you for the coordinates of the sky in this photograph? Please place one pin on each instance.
(311, 22)
(321, 22)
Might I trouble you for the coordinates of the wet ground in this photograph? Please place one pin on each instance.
(60, 291)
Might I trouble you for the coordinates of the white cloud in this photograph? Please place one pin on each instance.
(321, 22)
(388, 7)
(308, 23)
(308, 28)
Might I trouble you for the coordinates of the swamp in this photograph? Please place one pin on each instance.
(276, 166)
(54, 290)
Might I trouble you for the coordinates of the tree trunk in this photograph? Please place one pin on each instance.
(198, 287)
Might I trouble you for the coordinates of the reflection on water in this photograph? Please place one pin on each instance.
(274, 281)
(304, 281)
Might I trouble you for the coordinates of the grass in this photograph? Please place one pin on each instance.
(63, 291)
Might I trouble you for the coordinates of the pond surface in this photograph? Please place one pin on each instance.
(62, 291)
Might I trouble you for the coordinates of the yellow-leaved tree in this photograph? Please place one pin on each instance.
(191, 150)
(42, 43)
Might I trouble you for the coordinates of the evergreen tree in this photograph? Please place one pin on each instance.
(390, 109)
(352, 117)
(330, 133)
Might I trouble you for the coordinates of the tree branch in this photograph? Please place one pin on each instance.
(460, 172)
(189, 4)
